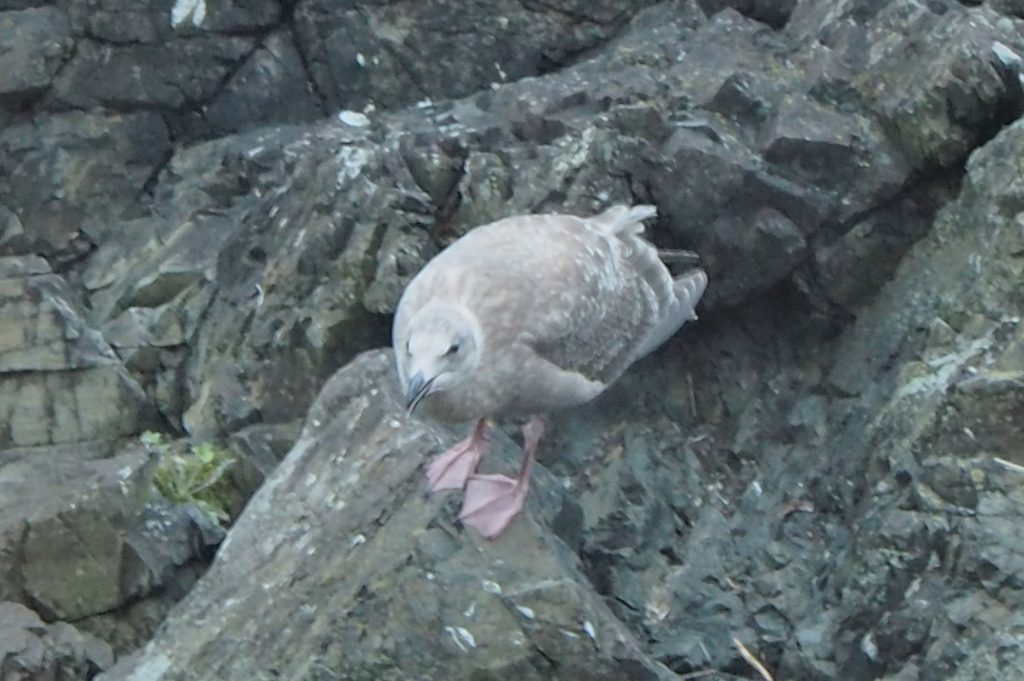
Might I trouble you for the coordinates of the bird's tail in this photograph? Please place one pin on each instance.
(677, 298)
(622, 220)
(688, 290)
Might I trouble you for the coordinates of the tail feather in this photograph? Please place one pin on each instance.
(620, 219)
(677, 298)
(688, 290)
(677, 255)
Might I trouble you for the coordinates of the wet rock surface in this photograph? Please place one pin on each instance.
(208, 213)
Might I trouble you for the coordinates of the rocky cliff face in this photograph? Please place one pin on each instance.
(209, 209)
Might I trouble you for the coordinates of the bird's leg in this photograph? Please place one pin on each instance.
(450, 469)
(492, 501)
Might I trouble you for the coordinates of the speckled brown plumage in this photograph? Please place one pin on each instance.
(528, 315)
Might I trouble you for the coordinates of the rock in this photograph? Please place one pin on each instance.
(935, 114)
(236, 16)
(26, 266)
(414, 590)
(60, 380)
(271, 87)
(875, 244)
(36, 41)
(726, 145)
(844, 155)
(12, 234)
(85, 539)
(32, 649)
(1011, 7)
(766, 230)
(744, 146)
(146, 76)
(261, 448)
(825, 468)
(71, 548)
(935, 104)
(393, 55)
(67, 172)
(775, 13)
(699, 513)
(949, 451)
(928, 463)
(130, 626)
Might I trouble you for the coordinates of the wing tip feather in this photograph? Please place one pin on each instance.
(621, 218)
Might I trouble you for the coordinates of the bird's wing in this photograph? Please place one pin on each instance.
(687, 291)
(675, 299)
(584, 294)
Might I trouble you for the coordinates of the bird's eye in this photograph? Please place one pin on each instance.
(452, 349)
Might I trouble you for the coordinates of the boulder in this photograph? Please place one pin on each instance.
(59, 380)
(341, 565)
(84, 538)
(32, 649)
(392, 55)
(36, 42)
(270, 87)
(72, 172)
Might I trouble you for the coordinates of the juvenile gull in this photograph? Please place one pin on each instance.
(528, 315)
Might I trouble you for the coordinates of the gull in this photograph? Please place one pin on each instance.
(525, 316)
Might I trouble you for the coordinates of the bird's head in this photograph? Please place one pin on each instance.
(441, 350)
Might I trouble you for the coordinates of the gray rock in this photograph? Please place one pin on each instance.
(83, 537)
(698, 115)
(928, 462)
(32, 649)
(260, 448)
(767, 230)
(70, 548)
(845, 155)
(271, 87)
(18, 4)
(851, 268)
(948, 449)
(239, 16)
(67, 172)
(415, 592)
(775, 13)
(1012, 7)
(395, 54)
(60, 380)
(124, 22)
(147, 75)
(36, 41)
(12, 234)
(950, 100)
(25, 266)
(935, 104)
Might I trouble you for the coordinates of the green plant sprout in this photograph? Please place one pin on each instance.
(196, 477)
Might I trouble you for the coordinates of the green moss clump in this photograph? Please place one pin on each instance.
(197, 477)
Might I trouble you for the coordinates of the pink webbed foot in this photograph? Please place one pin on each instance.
(450, 469)
(492, 501)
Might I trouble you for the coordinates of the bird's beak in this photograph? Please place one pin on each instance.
(419, 387)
